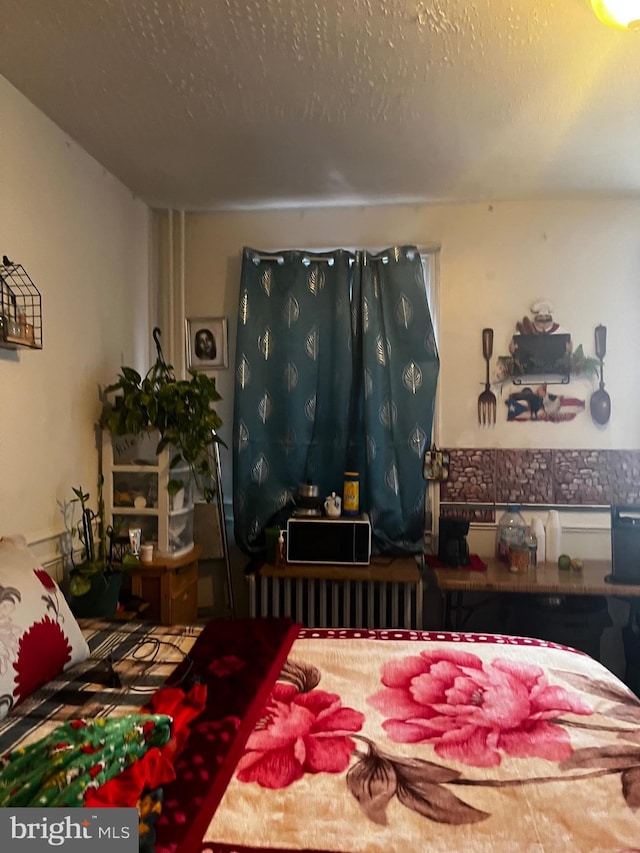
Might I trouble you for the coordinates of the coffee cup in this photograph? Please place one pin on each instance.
(146, 553)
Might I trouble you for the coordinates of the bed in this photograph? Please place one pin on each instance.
(345, 741)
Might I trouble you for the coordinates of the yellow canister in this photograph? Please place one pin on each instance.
(351, 493)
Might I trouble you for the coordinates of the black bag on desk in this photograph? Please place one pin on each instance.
(453, 549)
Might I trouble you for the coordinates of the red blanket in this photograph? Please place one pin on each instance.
(237, 662)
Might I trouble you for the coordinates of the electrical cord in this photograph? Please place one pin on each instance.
(151, 656)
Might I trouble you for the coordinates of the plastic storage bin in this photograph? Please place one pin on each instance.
(136, 495)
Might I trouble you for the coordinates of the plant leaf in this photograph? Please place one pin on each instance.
(416, 770)
(630, 735)
(303, 676)
(599, 688)
(372, 781)
(631, 787)
(627, 713)
(79, 584)
(437, 803)
(609, 757)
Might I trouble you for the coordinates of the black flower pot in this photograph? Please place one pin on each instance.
(101, 601)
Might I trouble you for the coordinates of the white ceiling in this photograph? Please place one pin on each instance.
(216, 104)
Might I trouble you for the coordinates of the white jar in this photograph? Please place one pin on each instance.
(553, 537)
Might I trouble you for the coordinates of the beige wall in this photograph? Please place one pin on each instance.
(494, 261)
(84, 240)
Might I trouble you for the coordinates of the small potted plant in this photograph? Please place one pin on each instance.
(181, 410)
(95, 581)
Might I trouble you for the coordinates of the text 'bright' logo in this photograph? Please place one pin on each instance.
(57, 832)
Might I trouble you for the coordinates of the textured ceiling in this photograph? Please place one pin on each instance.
(233, 103)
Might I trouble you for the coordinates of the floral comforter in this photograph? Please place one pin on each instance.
(384, 741)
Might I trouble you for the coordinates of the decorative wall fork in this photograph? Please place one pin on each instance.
(487, 399)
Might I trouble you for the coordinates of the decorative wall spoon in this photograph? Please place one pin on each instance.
(600, 403)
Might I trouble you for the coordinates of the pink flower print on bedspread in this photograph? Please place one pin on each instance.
(300, 733)
(472, 711)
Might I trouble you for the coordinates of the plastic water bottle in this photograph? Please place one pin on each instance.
(531, 542)
(553, 537)
(537, 527)
(512, 530)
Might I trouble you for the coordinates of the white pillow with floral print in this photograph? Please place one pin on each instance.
(39, 635)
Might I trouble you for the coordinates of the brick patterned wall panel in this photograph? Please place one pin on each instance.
(583, 477)
(540, 476)
(524, 476)
(625, 472)
(471, 477)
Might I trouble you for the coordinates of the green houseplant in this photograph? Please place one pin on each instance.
(94, 581)
(181, 410)
(579, 364)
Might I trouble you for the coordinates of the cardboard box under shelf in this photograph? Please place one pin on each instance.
(170, 586)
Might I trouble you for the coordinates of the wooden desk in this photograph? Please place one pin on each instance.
(544, 580)
(296, 589)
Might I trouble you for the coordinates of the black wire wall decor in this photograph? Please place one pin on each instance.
(20, 308)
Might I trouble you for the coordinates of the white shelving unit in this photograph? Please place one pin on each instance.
(135, 493)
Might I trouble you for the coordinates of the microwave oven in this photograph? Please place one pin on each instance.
(329, 541)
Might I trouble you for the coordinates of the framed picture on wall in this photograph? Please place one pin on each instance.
(207, 347)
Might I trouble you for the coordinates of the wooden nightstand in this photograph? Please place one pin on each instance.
(170, 585)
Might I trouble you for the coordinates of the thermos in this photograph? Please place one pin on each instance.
(351, 493)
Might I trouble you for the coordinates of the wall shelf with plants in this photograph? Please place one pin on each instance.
(20, 308)
(541, 354)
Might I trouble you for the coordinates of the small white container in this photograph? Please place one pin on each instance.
(553, 537)
(146, 553)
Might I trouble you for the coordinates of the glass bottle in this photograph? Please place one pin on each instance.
(538, 529)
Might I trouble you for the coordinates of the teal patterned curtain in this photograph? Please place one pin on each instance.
(397, 368)
(336, 369)
(292, 383)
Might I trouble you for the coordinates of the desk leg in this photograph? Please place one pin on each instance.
(453, 610)
(449, 607)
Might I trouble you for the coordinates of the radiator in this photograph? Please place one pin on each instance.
(317, 603)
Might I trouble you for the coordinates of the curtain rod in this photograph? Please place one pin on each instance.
(279, 259)
(306, 259)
